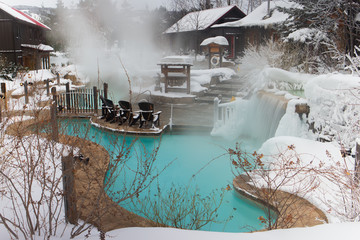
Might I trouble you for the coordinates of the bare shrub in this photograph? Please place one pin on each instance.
(267, 179)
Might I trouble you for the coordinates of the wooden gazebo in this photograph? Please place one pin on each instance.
(176, 71)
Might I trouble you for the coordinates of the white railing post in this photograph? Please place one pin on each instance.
(216, 111)
(224, 114)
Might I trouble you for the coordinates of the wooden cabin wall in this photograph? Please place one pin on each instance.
(13, 33)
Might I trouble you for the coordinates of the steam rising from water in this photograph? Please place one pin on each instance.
(131, 41)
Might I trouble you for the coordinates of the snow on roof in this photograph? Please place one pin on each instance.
(41, 47)
(220, 40)
(176, 60)
(259, 17)
(21, 16)
(199, 20)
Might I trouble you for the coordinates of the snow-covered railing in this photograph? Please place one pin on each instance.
(224, 113)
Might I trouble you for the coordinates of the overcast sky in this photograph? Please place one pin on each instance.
(139, 4)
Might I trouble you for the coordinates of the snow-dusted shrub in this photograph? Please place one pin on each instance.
(354, 62)
(272, 54)
(31, 188)
(334, 108)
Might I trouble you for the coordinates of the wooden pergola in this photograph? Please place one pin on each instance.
(176, 72)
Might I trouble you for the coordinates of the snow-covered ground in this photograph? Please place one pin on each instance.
(333, 102)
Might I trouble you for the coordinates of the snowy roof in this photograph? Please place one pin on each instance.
(220, 40)
(176, 60)
(199, 20)
(21, 16)
(41, 47)
(259, 17)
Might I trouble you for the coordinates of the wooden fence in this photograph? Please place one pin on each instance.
(82, 100)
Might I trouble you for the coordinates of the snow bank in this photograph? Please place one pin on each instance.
(204, 76)
(38, 75)
(291, 124)
(334, 109)
(324, 169)
(326, 231)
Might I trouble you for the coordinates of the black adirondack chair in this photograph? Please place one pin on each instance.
(126, 113)
(108, 109)
(147, 114)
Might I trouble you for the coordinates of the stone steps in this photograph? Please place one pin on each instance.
(227, 89)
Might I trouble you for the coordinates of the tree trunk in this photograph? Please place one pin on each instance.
(207, 4)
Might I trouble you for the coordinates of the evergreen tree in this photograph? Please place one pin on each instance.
(324, 27)
(334, 20)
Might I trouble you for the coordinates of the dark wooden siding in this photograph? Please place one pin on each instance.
(185, 41)
(14, 33)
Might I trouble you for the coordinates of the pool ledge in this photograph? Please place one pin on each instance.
(302, 212)
(115, 127)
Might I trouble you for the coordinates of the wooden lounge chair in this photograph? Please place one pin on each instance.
(108, 109)
(147, 114)
(126, 113)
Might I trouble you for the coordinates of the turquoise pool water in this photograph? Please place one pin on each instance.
(198, 163)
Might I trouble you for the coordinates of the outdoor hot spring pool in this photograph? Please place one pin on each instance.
(199, 164)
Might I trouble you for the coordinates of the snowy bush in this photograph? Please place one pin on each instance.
(354, 62)
(270, 56)
(31, 186)
(333, 100)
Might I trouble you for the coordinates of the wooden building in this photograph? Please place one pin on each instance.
(22, 39)
(240, 30)
(193, 28)
(257, 27)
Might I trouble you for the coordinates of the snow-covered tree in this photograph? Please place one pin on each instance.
(322, 25)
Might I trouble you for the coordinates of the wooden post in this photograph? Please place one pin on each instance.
(166, 73)
(26, 92)
(221, 55)
(106, 87)
(188, 79)
(95, 94)
(67, 96)
(357, 162)
(53, 113)
(209, 57)
(3, 90)
(47, 87)
(68, 188)
(58, 78)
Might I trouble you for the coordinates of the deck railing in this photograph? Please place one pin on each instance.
(82, 100)
(224, 113)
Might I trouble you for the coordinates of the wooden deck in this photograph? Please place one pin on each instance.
(125, 128)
